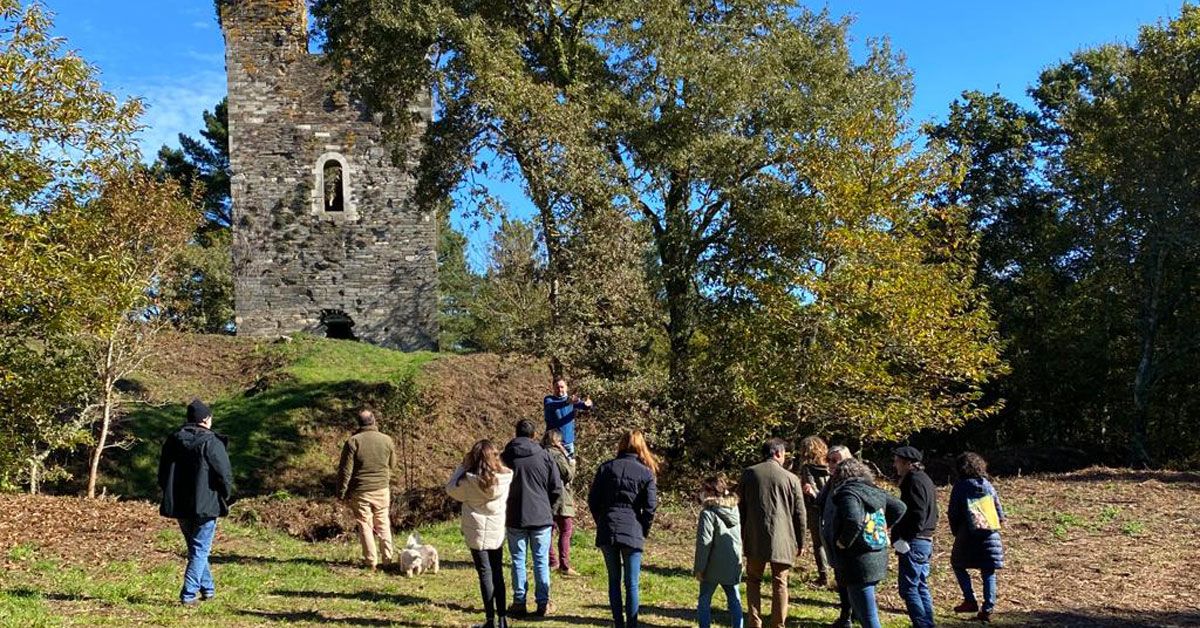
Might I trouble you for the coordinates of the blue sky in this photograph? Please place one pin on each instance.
(169, 52)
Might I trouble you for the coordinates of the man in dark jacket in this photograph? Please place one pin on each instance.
(365, 485)
(535, 487)
(772, 505)
(915, 530)
(197, 482)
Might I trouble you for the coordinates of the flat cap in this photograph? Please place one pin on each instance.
(908, 453)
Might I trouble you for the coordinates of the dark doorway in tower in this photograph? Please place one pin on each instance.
(335, 188)
(338, 325)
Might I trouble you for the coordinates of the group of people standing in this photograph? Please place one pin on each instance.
(851, 522)
(521, 496)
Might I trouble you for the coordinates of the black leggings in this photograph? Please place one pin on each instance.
(489, 564)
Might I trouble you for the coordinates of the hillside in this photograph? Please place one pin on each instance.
(288, 406)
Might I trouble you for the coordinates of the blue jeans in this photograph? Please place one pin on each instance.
(732, 597)
(520, 540)
(989, 587)
(197, 578)
(914, 582)
(862, 601)
(621, 560)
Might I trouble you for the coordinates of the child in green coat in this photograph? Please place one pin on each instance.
(718, 550)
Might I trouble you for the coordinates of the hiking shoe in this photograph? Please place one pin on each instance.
(823, 581)
(545, 610)
(517, 610)
(984, 616)
(207, 595)
(967, 606)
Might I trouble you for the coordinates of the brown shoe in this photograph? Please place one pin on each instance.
(545, 610)
(967, 607)
(568, 572)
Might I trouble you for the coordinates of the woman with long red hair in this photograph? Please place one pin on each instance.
(623, 499)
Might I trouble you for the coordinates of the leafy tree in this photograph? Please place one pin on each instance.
(67, 255)
(1124, 119)
(765, 163)
(457, 288)
(511, 305)
(201, 296)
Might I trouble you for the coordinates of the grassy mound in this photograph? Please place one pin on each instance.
(288, 406)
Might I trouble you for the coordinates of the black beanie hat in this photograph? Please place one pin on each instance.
(197, 411)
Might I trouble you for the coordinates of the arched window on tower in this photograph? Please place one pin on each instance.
(335, 186)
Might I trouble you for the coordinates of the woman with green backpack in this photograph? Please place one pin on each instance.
(855, 528)
(975, 517)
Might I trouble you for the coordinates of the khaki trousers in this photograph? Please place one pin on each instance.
(371, 513)
(779, 592)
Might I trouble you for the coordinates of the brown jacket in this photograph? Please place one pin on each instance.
(367, 459)
(772, 509)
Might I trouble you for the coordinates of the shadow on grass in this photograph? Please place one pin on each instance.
(316, 617)
(265, 430)
(242, 559)
(399, 599)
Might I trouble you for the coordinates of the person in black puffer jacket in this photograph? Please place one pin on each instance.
(536, 486)
(975, 547)
(623, 498)
(197, 483)
(846, 528)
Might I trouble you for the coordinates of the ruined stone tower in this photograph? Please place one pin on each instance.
(326, 238)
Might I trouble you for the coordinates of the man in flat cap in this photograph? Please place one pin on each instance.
(196, 482)
(912, 536)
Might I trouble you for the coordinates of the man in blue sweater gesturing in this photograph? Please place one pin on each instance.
(560, 409)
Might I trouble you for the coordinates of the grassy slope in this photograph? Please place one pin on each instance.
(320, 380)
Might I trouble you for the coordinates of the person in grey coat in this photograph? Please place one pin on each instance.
(773, 524)
(718, 561)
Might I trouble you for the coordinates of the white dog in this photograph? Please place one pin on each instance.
(428, 553)
(410, 562)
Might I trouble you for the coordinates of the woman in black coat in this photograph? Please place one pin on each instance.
(622, 501)
(976, 529)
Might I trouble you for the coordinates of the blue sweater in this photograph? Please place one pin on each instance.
(560, 415)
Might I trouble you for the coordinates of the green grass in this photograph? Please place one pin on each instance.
(315, 361)
(320, 384)
(265, 578)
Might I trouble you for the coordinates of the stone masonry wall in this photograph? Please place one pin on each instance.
(292, 260)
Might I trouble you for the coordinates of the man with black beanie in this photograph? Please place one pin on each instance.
(197, 482)
(912, 536)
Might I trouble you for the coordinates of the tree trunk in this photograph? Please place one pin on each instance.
(34, 480)
(106, 421)
(1143, 380)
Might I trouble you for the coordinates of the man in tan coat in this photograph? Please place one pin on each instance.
(772, 505)
(364, 481)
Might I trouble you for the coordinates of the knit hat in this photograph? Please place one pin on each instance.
(197, 411)
(908, 453)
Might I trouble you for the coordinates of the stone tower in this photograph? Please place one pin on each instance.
(326, 238)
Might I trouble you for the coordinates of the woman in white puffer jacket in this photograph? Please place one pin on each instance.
(481, 483)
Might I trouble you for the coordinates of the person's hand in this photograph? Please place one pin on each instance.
(810, 490)
(588, 402)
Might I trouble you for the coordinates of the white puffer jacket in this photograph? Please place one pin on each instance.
(482, 508)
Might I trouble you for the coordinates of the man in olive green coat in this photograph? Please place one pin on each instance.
(365, 481)
(772, 509)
